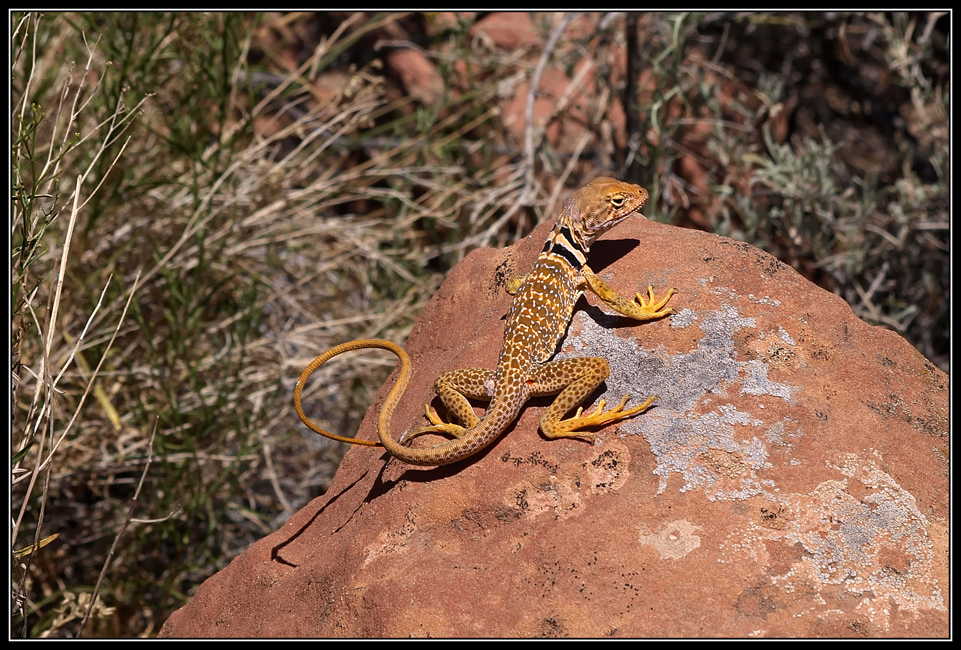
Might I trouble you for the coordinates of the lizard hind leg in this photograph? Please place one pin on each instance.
(573, 427)
(454, 388)
(575, 379)
(439, 426)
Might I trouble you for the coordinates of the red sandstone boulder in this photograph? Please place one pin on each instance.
(790, 481)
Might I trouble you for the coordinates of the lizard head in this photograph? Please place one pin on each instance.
(598, 207)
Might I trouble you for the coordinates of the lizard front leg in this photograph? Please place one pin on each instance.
(638, 308)
(575, 379)
(514, 284)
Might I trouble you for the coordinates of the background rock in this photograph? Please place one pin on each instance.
(791, 479)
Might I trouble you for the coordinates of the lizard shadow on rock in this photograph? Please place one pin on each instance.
(415, 474)
(606, 252)
(603, 319)
(276, 550)
(380, 487)
(603, 254)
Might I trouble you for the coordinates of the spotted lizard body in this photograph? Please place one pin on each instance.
(536, 322)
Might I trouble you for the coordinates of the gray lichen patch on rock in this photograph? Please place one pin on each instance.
(862, 533)
(685, 439)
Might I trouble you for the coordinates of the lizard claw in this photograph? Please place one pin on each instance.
(573, 427)
(652, 307)
(437, 426)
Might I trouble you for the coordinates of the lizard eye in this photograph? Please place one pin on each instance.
(617, 200)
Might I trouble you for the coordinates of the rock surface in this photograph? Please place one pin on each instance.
(790, 481)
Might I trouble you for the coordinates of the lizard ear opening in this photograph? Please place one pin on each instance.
(571, 213)
(574, 220)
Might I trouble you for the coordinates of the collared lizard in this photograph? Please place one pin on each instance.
(536, 322)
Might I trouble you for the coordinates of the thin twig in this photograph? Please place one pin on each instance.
(93, 376)
(525, 196)
(52, 322)
(134, 504)
(272, 472)
(632, 109)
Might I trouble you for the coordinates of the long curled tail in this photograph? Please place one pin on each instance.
(392, 398)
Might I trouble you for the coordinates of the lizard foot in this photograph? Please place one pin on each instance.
(514, 284)
(650, 307)
(573, 427)
(437, 426)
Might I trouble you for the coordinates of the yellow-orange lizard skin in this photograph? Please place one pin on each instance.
(536, 322)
